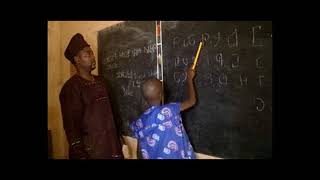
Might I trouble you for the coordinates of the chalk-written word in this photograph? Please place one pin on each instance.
(125, 54)
(151, 48)
(189, 41)
(131, 53)
(229, 39)
(112, 66)
(192, 39)
(180, 61)
(220, 80)
(131, 74)
(127, 90)
(136, 51)
(133, 85)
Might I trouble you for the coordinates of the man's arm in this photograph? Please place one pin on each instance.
(191, 99)
(72, 108)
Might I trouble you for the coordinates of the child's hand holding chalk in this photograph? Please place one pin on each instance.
(191, 73)
(196, 58)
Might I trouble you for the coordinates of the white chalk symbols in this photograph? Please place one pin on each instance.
(243, 80)
(223, 79)
(260, 104)
(259, 64)
(256, 42)
(233, 39)
(260, 82)
(235, 61)
(219, 59)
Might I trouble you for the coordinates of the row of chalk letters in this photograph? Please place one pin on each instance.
(218, 38)
(218, 59)
(180, 77)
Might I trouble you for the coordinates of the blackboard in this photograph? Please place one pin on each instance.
(127, 56)
(233, 114)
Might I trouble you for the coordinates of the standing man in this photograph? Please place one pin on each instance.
(87, 115)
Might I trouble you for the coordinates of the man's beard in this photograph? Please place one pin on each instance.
(93, 66)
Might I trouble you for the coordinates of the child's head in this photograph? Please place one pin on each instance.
(152, 91)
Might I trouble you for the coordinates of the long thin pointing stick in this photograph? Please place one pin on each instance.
(196, 58)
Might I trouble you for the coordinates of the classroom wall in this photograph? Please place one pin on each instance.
(60, 70)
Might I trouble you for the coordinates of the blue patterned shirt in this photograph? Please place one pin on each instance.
(161, 134)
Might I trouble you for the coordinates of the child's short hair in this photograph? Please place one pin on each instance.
(151, 87)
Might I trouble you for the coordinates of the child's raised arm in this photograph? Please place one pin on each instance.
(191, 99)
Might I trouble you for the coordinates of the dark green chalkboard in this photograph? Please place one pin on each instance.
(127, 56)
(233, 114)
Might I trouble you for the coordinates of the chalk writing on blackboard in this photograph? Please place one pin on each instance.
(260, 104)
(233, 80)
(256, 42)
(204, 38)
(180, 77)
(260, 80)
(243, 80)
(219, 59)
(259, 62)
(235, 61)
(233, 39)
(218, 39)
(180, 61)
(223, 79)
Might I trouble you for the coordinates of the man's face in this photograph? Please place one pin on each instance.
(85, 59)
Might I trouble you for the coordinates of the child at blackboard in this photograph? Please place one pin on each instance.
(159, 129)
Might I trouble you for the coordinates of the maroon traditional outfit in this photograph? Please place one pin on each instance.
(87, 118)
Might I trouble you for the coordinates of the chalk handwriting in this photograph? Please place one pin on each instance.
(235, 61)
(243, 79)
(180, 77)
(219, 59)
(223, 79)
(255, 42)
(259, 62)
(260, 77)
(233, 39)
(261, 107)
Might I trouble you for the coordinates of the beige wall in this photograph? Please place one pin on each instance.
(60, 70)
